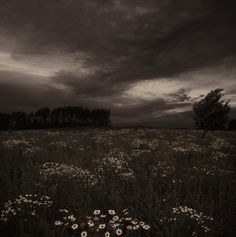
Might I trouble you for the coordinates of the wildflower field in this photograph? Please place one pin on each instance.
(117, 182)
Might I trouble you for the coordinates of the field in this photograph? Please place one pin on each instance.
(117, 182)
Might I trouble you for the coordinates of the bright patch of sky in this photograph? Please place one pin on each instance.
(195, 83)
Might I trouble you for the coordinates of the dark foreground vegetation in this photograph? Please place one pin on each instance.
(117, 182)
(62, 117)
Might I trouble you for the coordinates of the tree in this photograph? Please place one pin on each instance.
(19, 120)
(101, 117)
(232, 124)
(4, 121)
(42, 117)
(211, 112)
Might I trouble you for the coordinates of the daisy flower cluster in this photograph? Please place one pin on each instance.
(183, 147)
(212, 170)
(31, 151)
(51, 171)
(138, 143)
(115, 163)
(198, 216)
(27, 206)
(219, 144)
(162, 169)
(219, 156)
(66, 219)
(108, 223)
(11, 144)
(59, 144)
(141, 146)
(104, 138)
(184, 213)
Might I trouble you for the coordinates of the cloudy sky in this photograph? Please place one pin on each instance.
(146, 60)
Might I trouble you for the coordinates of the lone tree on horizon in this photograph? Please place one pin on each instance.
(211, 112)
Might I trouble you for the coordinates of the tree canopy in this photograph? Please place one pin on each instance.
(211, 112)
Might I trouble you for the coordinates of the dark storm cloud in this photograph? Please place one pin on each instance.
(152, 37)
(165, 40)
(122, 42)
(97, 85)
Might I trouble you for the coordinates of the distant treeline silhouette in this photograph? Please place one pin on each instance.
(61, 117)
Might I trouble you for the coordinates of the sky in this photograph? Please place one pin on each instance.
(146, 60)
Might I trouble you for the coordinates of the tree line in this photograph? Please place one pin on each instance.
(61, 117)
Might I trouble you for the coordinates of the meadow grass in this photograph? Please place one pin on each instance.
(117, 182)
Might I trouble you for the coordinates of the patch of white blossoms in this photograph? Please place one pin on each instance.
(140, 146)
(185, 213)
(115, 163)
(108, 223)
(212, 170)
(51, 171)
(183, 147)
(162, 169)
(219, 144)
(11, 144)
(25, 205)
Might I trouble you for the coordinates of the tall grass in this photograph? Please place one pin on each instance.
(173, 181)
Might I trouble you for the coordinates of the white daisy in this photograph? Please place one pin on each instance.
(119, 232)
(107, 234)
(90, 224)
(115, 218)
(136, 227)
(58, 223)
(74, 226)
(84, 234)
(146, 227)
(111, 212)
(96, 212)
(102, 226)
